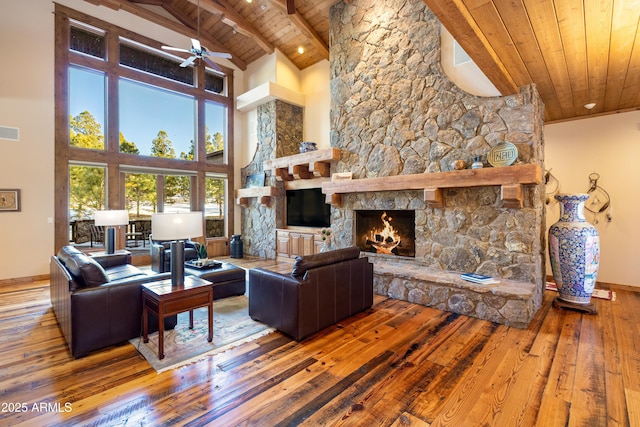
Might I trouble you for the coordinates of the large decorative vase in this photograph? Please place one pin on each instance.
(574, 250)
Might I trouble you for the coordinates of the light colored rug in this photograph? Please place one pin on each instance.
(232, 326)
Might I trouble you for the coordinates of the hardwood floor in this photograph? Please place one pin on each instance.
(398, 364)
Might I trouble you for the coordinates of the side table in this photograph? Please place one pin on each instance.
(163, 299)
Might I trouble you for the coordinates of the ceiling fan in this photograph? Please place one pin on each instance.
(198, 51)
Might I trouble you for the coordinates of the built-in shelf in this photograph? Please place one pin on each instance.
(312, 164)
(263, 194)
(509, 178)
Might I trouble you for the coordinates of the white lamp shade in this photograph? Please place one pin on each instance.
(176, 226)
(110, 218)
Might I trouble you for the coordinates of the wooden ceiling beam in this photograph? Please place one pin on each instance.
(233, 19)
(303, 25)
(142, 12)
(453, 14)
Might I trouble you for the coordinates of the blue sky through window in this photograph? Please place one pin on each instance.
(144, 110)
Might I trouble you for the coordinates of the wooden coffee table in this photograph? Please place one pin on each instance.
(163, 299)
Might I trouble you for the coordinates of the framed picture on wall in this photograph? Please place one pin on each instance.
(256, 180)
(9, 200)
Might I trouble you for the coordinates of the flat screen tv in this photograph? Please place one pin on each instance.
(307, 208)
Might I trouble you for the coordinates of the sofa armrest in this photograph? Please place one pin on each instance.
(273, 299)
(157, 257)
(60, 284)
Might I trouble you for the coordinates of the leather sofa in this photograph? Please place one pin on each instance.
(321, 290)
(98, 300)
(161, 254)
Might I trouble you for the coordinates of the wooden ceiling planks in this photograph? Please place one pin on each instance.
(576, 51)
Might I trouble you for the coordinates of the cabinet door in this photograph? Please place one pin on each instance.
(282, 243)
(307, 243)
(295, 245)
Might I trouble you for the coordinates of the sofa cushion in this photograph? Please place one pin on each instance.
(124, 271)
(67, 252)
(86, 271)
(304, 263)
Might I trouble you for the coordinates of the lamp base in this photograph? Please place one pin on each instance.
(110, 240)
(177, 263)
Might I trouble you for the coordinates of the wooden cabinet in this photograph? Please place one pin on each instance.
(293, 243)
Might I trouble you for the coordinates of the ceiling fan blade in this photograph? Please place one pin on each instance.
(189, 61)
(196, 44)
(291, 7)
(211, 64)
(219, 54)
(176, 49)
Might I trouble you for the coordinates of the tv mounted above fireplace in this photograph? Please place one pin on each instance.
(307, 208)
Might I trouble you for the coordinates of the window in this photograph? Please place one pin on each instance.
(127, 129)
(156, 122)
(86, 108)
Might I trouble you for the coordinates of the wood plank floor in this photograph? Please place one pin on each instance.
(398, 364)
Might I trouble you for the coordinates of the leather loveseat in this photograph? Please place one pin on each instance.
(98, 300)
(321, 290)
(161, 254)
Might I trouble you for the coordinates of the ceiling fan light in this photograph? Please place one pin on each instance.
(249, 1)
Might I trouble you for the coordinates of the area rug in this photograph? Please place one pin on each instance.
(232, 326)
(597, 293)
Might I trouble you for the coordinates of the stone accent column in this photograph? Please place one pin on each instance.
(279, 134)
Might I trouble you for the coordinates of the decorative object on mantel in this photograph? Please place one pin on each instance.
(325, 235)
(256, 180)
(9, 200)
(458, 164)
(307, 146)
(341, 176)
(503, 154)
(574, 251)
(477, 163)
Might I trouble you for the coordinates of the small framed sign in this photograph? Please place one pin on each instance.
(9, 200)
(256, 180)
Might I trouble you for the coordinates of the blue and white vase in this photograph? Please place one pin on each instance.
(574, 250)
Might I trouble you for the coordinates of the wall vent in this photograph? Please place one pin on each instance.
(12, 134)
(459, 55)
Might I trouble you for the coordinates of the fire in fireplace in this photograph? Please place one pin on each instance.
(389, 232)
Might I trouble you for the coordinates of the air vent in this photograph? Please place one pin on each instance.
(459, 55)
(12, 134)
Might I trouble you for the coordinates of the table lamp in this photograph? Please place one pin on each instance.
(176, 227)
(110, 219)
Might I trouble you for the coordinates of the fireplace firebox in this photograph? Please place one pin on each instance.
(388, 232)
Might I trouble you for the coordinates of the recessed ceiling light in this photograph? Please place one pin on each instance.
(249, 1)
(300, 50)
(590, 105)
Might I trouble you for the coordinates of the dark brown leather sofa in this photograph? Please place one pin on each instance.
(322, 290)
(161, 254)
(98, 300)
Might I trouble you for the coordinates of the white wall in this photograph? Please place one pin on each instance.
(610, 146)
(315, 86)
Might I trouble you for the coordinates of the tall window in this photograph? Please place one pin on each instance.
(127, 131)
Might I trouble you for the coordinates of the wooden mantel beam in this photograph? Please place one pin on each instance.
(509, 178)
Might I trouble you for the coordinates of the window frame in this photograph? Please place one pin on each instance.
(111, 156)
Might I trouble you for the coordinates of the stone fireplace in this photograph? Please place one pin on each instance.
(393, 113)
(386, 232)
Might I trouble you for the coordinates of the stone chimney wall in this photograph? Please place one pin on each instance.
(394, 112)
